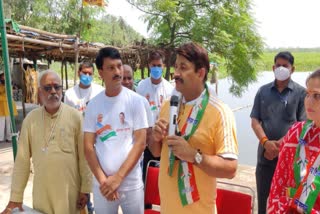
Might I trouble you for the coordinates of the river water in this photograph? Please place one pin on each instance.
(248, 143)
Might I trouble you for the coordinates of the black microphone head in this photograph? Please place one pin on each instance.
(174, 101)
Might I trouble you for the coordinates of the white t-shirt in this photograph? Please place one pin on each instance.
(113, 120)
(78, 97)
(155, 94)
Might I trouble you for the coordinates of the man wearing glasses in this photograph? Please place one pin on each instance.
(52, 136)
(80, 95)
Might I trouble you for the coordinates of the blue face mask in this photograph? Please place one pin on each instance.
(156, 72)
(85, 79)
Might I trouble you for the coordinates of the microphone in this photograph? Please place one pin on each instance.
(174, 102)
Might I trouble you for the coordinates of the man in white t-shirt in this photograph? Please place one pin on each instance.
(114, 159)
(79, 95)
(155, 89)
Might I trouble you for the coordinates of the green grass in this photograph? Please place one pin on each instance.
(304, 61)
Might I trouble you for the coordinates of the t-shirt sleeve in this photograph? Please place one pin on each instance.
(139, 88)
(225, 135)
(67, 99)
(89, 124)
(255, 112)
(151, 122)
(140, 118)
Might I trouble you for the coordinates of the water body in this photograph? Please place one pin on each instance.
(248, 143)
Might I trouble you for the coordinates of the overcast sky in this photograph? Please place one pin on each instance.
(282, 23)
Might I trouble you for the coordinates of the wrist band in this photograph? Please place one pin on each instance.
(263, 140)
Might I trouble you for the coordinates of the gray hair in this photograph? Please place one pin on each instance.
(45, 73)
(127, 68)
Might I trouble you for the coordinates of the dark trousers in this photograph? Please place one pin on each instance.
(264, 174)
(147, 156)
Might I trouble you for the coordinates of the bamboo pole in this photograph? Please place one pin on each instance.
(5, 56)
(76, 50)
(37, 41)
(61, 71)
(60, 36)
(66, 73)
(23, 87)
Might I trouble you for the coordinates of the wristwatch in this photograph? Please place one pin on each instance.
(198, 158)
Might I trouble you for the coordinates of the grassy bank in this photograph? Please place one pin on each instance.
(304, 61)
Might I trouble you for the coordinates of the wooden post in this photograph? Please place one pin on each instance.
(61, 72)
(142, 72)
(23, 88)
(66, 73)
(76, 48)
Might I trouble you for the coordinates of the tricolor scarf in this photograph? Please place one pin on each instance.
(187, 186)
(306, 175)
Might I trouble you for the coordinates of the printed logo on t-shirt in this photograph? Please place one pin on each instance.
(124, 130)
(81, 105)
(105, 131)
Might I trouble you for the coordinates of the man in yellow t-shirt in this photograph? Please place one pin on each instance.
(207, 148)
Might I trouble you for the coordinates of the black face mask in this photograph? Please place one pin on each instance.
(2, 82)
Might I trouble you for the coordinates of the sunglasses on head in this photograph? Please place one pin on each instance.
(48, 88)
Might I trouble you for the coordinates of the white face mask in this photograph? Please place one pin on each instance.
(281, 73)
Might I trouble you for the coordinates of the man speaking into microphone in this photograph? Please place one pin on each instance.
(205, 146)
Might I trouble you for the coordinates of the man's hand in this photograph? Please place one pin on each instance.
(160, 130)
(82, 200)
(181, 148)
(109, 187)
(271, 149)
(11, 205)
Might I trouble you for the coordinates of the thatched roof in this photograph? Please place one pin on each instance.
(31, 43)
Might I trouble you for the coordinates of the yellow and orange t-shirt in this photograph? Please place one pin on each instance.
(215, 135)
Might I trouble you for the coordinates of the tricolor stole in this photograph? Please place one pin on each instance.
(187, 185)
(306, 175)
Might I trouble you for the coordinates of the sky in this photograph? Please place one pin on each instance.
(281, 23)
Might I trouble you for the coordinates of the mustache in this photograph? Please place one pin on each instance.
(116, 76)
(178, 79)
(53, 96)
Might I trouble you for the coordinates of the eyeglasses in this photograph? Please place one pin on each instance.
(315, 96)
(48, 88)
(127, 78)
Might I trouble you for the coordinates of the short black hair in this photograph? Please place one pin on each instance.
(197, 55)
(156, 55)
(86, 64)
(285, 55)
(108, 52)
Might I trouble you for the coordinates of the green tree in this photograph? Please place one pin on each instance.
(225, 27)
(64, 17)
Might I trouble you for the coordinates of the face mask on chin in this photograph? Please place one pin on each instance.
(156, 72)
(85, 79)
(281, 73)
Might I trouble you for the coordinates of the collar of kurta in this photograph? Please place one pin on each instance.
(55, 114)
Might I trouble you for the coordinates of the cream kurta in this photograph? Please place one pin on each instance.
(61, 172)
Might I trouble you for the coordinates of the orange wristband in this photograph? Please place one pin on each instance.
(263, 140)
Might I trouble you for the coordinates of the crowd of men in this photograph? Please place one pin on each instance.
(101, 138)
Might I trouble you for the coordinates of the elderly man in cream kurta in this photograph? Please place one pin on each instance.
(52, 136)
